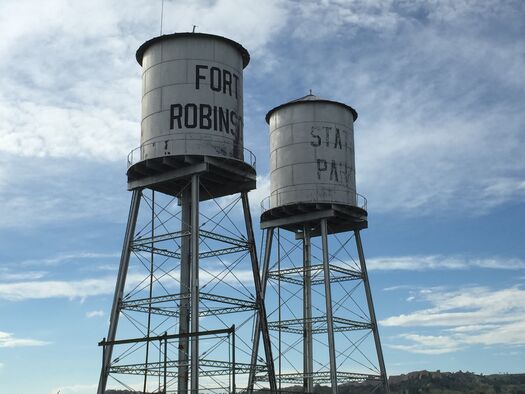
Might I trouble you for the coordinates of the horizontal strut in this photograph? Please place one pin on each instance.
(296, 326)
(295, 275)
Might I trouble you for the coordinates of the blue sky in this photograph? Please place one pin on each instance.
(440, 91)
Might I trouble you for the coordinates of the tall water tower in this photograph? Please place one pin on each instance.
(188, 290)
(323, 322)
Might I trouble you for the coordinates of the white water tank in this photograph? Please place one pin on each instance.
(192, 96)
(312, 152)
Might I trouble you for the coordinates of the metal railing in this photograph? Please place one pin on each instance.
(312, 196)
(139, 153)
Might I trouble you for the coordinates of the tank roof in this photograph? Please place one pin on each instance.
(140, 52)
(309, 98)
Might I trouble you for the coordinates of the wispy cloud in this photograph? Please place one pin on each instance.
(97, 313)
(81, 289)
(350, 16)
(427, 344)
(439, 262)
(67, 257)
(398, 287)
(34, 290)
(254, 26)
(471, 316)
(7, 274)
(258, 196)
(8, 340)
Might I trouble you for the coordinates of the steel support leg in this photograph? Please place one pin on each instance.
(195, 283)
(308, 363)
(329, 314)
(119, 288)
(257, 332)
(259, 299)
(152, 257)
(373, 319)
(185, 285)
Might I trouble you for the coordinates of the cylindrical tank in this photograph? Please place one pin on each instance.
(312, 152)
(192, 96)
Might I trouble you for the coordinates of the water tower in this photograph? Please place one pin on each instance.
(188, 289)
(323, 325)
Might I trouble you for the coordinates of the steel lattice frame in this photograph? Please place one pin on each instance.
(156, 292)
(330, 338)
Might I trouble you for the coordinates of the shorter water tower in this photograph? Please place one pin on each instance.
(323, 323)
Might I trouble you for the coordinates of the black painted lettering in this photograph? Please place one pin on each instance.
(224, 120)
(337, 139)
(205, 116)
(190, 116)
(226, 82)
(333, 171)
(235, 124)
(215, 79)
(198, 76)
(175, 115)
(348, 172)
(321, 166)
(215, 118)
(327, 132)
(317, 139)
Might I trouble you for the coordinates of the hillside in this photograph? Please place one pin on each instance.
(457, 382)
(448, 383)
(433, 383)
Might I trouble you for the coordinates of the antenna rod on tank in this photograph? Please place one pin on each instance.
(161, 14)
(194, 26)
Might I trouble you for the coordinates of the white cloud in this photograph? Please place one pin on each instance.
(7, 274)
(252, 24)
(81, 289)
(97, 313)
(19, 291)
(425, 344)
(343, 16)
(258, 196)
(439, 262)
(467, 317)
(397, 287)
(8, 340)
(86, 132)
(55, 101)
(68, 257)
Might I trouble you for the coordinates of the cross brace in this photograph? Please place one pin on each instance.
(177, 255)
(217, 368)
(324, 377)
(295, 275)
(142, 305)
(296, 326)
